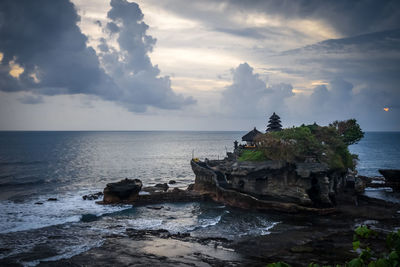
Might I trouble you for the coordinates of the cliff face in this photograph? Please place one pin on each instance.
(305, 184)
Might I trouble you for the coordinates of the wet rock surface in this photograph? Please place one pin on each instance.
(163, 186)
(297, 240)
(125, 191)
(89, 218)
(94, 196)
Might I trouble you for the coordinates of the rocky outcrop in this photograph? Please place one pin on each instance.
(213, 182)
(125, 191)
(278, 183)
(94, 196)
(392, 178)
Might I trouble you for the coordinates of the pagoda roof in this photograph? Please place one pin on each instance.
(274, 116)
(251, 135)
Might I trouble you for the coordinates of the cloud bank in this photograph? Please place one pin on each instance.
(249, 96)
(45, 53)
(303, 19)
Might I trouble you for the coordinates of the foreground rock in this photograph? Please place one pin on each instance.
(297, 242)
(298, 239)
(392, 178)
(94, 196)
(125, 191)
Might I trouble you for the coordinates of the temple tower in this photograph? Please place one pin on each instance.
(274, 123)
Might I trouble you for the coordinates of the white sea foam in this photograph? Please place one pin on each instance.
(266, 230)
(66, 253)
(28, 215)
(144, 223)
(209, 222)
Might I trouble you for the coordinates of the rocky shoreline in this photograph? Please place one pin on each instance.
(298, 240)
(303, 235)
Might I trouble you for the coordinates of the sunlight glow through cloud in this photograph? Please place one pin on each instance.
(15, 69)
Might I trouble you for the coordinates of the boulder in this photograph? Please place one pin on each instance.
(92, 196)
(163, 186)
(172, 182)
(89, 217)
(125, 191)
(190, 187)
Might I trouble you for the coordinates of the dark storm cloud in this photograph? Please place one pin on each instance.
(346, 17)
(131, 65)
(363, 74)
(43, 38)
(367, 61)
(112, 27)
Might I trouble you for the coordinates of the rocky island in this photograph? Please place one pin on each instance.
(295, 169)
(291, 170)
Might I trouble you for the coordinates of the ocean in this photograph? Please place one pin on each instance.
(36, 166)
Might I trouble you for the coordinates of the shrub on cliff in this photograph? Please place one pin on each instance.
(349, 131)
(323, 143)
(363, 238)
(252, 155)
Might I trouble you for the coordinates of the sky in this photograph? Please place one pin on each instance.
(198, 65)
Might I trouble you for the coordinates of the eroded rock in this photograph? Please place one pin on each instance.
(163, 186)
(94, 196)
(125, 191)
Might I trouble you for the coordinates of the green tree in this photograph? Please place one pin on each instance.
(349, 130)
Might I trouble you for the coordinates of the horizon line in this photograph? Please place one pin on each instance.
(377, 131)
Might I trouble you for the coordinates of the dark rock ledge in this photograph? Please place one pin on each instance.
(298, 242)
(347, 201)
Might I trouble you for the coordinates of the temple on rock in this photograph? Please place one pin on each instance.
(250, 137)
(246, 178)
(274, 124)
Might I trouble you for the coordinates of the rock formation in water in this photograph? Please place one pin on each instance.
(125, 191)
(266, 183)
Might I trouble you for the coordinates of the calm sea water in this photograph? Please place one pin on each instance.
(35, 166)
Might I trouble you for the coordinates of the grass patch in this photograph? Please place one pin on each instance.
(252, 155)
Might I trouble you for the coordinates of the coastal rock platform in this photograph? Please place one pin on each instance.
(297, 240)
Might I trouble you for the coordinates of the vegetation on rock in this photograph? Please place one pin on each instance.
(325, 144)
(363, 237)
(252, 155)
(349, 130)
